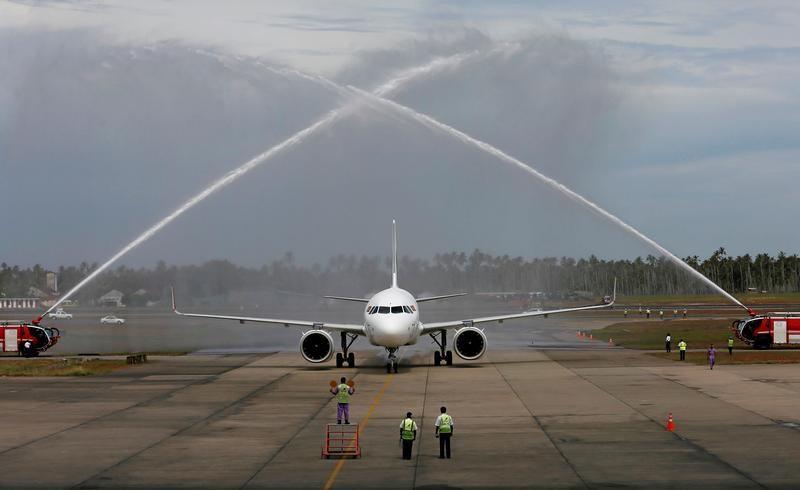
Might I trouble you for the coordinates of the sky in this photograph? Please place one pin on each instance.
(681, 118)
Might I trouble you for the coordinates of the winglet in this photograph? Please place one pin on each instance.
(394, 254)
(174, 308)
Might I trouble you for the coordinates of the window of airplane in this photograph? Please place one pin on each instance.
(383, 309)
(397, 309)
(407, 309)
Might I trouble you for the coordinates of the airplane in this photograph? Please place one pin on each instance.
(391, 321)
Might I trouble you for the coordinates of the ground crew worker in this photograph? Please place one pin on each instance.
(626, 313)
(444, 431)
(684, 312)
(648, 313)
(661, 314)
(712, 356)
(682, 348)
(730, 345)
(674, 313)
(343, 392)
(408, 433)
(668, 343)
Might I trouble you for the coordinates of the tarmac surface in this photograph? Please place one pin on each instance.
(557, 412)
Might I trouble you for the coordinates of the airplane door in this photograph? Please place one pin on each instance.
(779, 332)
(11, 340)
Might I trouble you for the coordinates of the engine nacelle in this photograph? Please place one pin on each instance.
(470, 343)
(316, 346)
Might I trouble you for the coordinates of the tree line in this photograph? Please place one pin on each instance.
(453, 271)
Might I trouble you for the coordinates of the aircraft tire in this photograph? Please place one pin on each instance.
(339, 359)
(437, 358)
(448, 358)
(388, 367)
(394, 365)
(351, 360)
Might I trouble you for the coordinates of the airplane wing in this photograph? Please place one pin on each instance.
(347, 298)
(444, 296)
(340, 327)
(433, 327)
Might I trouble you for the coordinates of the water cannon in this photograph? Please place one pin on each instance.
(38, 320)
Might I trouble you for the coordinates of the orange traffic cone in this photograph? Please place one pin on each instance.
(670, 423)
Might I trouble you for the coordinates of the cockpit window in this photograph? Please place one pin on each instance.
(407, 309)
(397, 309)
(383, 309)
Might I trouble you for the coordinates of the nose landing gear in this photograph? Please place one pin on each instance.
(391, 360)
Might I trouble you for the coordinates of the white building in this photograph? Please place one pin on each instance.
(19, 303)
(111, 298)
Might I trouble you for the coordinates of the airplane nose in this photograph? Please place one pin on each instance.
(391, 332)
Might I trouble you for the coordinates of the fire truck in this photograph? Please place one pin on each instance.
(764, 331)
(26, 338)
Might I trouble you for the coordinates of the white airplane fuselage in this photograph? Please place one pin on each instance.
(391, 319)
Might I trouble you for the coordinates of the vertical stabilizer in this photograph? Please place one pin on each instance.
(394, 254)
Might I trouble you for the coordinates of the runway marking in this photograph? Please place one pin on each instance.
(375, 402)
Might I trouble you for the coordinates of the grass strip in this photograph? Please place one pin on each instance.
(60, 367)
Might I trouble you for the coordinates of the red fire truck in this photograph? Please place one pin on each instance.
(764, 331)
(25, 338)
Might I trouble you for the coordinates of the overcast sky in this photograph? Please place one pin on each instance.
(681, 117)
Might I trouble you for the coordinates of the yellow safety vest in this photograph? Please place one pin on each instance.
(408, 429)
(682, 346)
(446, 424)
(730, 342)
(343, 396)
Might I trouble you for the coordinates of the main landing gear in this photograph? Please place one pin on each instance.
(391, 360)
(344, 356)
(440, 339)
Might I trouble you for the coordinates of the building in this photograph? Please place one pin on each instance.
(19, 303)
(52, 281)
(111, 298)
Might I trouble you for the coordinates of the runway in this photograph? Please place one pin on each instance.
(590, 417)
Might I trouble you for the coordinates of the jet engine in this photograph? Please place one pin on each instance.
(316, 346)
(470, 343)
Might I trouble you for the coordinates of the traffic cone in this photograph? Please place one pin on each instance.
(670, 423)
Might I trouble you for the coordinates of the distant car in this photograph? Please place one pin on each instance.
(60, 313)
(111, 320)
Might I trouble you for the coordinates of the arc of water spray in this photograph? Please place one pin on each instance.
(561, 188)
(393, 84)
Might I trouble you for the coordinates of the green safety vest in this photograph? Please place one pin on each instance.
(446, 424)
(682, 346)
(343, 396)
(730, 342)
(408, 429)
